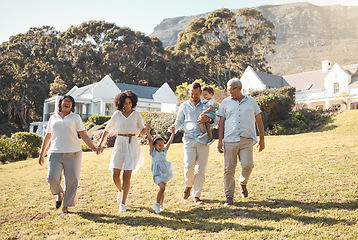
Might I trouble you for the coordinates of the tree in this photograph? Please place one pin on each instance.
(58, 87)
(217, 48)
(28, 67)
(183, 91)
(97, 48)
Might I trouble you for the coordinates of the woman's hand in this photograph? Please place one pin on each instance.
(41, 160)
(98, 150)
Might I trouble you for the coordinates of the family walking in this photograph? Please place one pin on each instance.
(237, 135)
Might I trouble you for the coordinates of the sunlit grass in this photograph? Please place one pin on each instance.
(303, 186)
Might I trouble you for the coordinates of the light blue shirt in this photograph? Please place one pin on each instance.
(188, 115)
(239, 118)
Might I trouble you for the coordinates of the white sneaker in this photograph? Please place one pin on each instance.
(161, 207)
(122, 208)
(156, 207)
(119, 197)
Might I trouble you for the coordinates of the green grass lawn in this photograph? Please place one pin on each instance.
(303, 186)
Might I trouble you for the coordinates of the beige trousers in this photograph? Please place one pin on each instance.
(233, 150)
(70, 164)
(195, 161)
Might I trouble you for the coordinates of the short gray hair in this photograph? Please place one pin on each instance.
(235, 82)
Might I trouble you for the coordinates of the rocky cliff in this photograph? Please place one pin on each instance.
(306, 35)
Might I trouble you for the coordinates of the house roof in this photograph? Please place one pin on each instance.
(307, 81)
(140, 91)
(272, 81)
(84, 92)
(315, 80)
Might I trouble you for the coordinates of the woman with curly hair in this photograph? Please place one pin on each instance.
(127, 155)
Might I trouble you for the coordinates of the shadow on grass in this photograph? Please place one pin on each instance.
(211, 220)
(326, 126)
(174, 221)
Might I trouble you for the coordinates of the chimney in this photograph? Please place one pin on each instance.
(326, 66)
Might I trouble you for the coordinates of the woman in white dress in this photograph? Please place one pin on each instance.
(127, 155)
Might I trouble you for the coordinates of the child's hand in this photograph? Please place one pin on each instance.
(149, 125)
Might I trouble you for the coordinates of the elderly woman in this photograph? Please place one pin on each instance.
(127, 155)
(65, 152)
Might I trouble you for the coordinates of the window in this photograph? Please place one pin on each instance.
(109, 109)
(335, 87)
(51, 107)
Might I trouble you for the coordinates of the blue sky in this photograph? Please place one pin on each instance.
(17, 16)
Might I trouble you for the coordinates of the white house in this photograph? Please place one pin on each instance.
(252, 80)
(97, 98)
(330, 88)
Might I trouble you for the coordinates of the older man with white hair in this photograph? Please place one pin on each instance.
(237, 135)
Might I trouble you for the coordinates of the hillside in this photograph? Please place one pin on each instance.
(306, 35)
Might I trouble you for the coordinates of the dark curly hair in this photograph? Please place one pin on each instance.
(120, 97)
(63, 98)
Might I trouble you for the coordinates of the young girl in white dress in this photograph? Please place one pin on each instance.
(127, 155)
(162, 169)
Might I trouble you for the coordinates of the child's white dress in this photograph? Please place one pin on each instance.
(125, 155)
(162, 169)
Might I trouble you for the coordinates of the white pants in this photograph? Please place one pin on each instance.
(70, 164)
(195, 161)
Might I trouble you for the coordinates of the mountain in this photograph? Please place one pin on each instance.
(306, 35)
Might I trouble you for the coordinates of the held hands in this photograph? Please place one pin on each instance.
(98, 150)
(171, 129)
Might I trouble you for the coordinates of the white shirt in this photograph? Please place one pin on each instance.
(63, 131)
(239, 118)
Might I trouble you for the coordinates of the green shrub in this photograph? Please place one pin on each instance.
(161, 123)
(96, 119)
(275, 104)
(30, 142)
(278, 130)
(7, 129)
(10, 151)
(85, 148)
(300, 121)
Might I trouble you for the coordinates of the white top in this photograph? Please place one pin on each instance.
(133, 124)
(239, 118)
(125, 155)
(63, 131)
